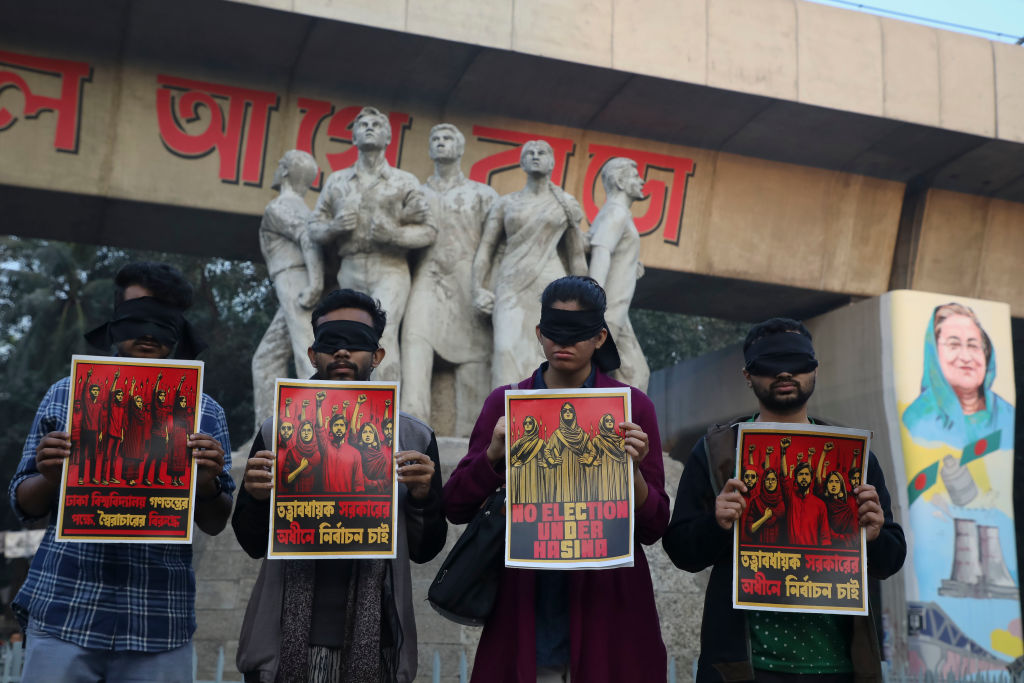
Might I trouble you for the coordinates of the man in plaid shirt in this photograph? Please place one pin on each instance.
(118, 611)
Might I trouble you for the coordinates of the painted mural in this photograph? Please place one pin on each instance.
(953, 364)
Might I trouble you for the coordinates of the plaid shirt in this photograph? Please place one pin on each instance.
(109, 596)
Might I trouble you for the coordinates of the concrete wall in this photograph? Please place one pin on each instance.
(970, 246)
(787, 49)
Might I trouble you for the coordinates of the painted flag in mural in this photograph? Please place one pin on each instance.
(921, 482)
(799, 546)
(570, 480)
(981, 447)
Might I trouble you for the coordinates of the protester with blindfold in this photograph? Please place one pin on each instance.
(743, 645)
(77, 597)
(595, 626)
(327, 621)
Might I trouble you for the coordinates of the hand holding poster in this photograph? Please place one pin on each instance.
(334, 491)
(570, 479)
(798, 546)
(131, 476)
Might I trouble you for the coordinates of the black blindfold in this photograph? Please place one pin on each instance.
(568, 327)
(148, 317)
(345, 334)
(781, 352)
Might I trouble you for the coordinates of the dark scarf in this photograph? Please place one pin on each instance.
(780, 352)
(372, 633)
(148, 317)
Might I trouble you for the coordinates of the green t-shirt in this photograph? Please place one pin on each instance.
(799, 643)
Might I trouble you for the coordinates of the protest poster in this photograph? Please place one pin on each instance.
(334, 493)
(130, 477)
(569, 479)
(798, 546)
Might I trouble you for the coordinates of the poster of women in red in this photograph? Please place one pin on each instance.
(130, 477)
(334, 492)
(570, 482)
(798, 546)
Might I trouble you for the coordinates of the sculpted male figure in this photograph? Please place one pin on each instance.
(374, 214)
(615, 263)
(440, 318)
(539, 225)
(295, 265)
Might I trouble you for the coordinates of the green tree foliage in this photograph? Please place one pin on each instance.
(53, 292)
(670, 338)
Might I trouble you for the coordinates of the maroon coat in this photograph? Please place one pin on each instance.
(613, 621)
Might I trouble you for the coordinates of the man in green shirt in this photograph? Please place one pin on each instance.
(741, 645)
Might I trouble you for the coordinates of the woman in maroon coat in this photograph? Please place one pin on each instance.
(597, 626)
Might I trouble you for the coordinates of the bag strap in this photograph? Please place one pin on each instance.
(266, 431)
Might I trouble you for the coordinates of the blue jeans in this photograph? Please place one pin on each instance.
(51, 659)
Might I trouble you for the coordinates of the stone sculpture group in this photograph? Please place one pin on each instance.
(479, 263)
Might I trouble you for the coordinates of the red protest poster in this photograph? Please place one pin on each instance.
(130, 477)
(798, 546)
(570, 481)
(334, 492)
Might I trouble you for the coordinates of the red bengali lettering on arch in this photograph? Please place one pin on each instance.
(483, 170)
(339, 129)
(241, 145)
(67, 106)
(665, 208)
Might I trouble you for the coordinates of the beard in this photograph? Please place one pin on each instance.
(783, 404)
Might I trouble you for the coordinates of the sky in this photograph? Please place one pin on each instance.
(987, 17)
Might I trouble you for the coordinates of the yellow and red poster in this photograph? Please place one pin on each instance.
(952, 372)
(130, 477)
(334, 493)
(570, 480)
(799, 546)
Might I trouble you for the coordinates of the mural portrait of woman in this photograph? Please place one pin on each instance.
(957, 406)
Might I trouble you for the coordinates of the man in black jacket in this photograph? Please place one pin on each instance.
(741, 645)
(340, 620)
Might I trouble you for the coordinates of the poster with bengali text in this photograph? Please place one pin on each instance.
(569, 478)
(130, 477)
(334, 493)
(799, 546)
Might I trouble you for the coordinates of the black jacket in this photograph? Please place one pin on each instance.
(695, 541)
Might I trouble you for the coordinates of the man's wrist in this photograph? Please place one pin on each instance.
(212, 492)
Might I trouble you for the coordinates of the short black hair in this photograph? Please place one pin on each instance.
(350, 298)
(774, 326)
(579, 288)
(802, 465)
(165, 281)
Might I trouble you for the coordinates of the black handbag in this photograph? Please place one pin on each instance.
(466, 585)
